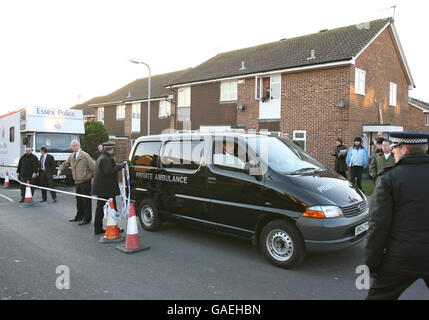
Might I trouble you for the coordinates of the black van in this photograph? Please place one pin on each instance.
(256, 186)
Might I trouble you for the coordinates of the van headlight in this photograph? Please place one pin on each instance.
(323, 212)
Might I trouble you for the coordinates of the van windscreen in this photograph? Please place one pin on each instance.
(283, 156)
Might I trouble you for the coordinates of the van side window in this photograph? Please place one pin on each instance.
(12, 134)
(182, 154)
(229, 155)
(147, 154)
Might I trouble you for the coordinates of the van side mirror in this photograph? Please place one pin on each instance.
(135, 158)
(253, 168)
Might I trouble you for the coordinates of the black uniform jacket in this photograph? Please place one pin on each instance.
(105, 182)
(399, 219)
(28, 164)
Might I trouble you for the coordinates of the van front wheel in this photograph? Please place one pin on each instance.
(282, 244)
(149, 216)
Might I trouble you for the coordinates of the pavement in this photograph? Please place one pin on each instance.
(39, 247)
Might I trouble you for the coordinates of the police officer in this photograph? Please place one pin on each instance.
(105, 184)
(397, 250)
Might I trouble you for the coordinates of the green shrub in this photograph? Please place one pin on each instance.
(95, 134)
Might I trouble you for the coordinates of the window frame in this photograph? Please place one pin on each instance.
(294, 138)
(164, 104)
(393, 94)
(427, 119)
(181, 142)
(240, 144)
(226, 92)
(360, 76)
(120, 111)
(100, 111)
(159, 155)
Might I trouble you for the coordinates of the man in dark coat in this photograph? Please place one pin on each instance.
(105, 184)
(340, 155)
(99, 151)
(46, 172)
(397, 250)
(28, 167)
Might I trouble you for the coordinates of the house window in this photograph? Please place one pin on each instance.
(12, 134)
(268, 88)
(360, 81)
(228, 91)
(184, 104)
(300, 138)
(392, 95)
(164, 109)
(100, 114)
(427, 119)
(120, 112)
(135, 117)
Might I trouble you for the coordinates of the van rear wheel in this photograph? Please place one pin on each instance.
(149, 216)
(282, 244)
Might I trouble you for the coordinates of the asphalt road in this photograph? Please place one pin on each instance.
(182, 263)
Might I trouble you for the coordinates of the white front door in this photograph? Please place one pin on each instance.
(270, 108)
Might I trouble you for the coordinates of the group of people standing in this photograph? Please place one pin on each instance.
(92, 177)
(37, 172)
(356, 158)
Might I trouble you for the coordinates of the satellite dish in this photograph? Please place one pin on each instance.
(341, 103)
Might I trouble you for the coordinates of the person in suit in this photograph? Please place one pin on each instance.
(46, 172)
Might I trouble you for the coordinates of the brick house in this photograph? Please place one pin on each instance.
(346, 82)
(124, 112)
(418, 115)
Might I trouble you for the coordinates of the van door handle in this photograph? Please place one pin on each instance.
(211, 180)
(268, 204)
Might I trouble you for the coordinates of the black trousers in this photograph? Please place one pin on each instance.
(46, 180)
(84, 205)
(389, 286)
(32, 181)
(99, 213)
(356, 174)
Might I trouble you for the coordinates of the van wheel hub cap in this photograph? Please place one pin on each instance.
(147, 214)
(279, 245)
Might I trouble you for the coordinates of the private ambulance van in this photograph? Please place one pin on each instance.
(260, 187)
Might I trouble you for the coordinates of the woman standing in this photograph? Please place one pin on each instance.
(340, 155)
(357, 160)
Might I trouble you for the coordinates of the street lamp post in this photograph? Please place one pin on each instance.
(148, 92)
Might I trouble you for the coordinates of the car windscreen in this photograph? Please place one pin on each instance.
(55, 142)
(284, 156)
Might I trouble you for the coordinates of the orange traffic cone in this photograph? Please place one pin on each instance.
(112, 231)
(6, 180)
(28, 199)
(132, 243)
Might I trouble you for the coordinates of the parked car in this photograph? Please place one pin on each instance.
(259, 187)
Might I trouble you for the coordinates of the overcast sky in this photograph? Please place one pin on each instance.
(60, 53)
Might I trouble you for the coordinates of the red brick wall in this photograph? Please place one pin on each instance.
(382, 65)
(416, 120)
(206, 109)
(246, 95)
(309, 102)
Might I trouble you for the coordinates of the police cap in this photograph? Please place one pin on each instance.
(109, 144)
(408, 137)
